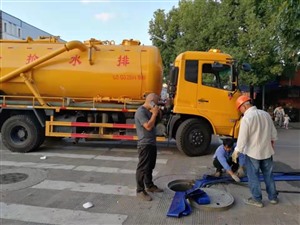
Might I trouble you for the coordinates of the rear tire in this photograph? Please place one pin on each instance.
(22, 133)
(193, 137)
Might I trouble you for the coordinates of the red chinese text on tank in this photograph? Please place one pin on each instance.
(75, 60)
(31, 58)
(123, 60)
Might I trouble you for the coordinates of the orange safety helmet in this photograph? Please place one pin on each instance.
(241, 100)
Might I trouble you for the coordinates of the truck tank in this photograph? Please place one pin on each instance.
(82, 70)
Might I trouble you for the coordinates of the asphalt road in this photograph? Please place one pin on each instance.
(51, 185)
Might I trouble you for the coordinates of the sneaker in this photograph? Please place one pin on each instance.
(144, 196)
(274, 201)
(154, 188)
(253, 202)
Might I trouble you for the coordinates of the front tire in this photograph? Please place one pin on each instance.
(22, 133)
(193, 137)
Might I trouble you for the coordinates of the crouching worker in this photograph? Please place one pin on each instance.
(223, 160)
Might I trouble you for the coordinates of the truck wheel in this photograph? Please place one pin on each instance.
(193, 137)
(22, 133)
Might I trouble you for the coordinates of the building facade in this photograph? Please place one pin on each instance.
(15, 29)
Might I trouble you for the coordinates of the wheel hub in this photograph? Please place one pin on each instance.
(197, 138)
(19, 134)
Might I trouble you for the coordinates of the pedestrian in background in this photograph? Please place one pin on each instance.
(286, 121)
(256, 141)
(223, 160)
(145, 118)
(278, 116)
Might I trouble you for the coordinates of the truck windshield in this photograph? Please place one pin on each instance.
(218, 79)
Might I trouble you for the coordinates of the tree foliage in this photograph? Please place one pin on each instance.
(264, 33)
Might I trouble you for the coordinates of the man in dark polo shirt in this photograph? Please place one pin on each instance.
(145, 117)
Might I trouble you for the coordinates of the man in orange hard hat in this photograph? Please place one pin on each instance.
(256, 141)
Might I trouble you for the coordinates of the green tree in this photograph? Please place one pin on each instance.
(287, 22)
(164, 31)
(264, 33)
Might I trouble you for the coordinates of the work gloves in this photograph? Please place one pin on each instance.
(235, 156)
(236, 178)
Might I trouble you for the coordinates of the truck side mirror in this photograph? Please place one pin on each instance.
(173, 78)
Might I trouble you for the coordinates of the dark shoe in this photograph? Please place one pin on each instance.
(251, 201)
(154, 188)
(144, 196)
(274, 201)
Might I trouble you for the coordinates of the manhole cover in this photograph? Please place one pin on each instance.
(19, 178)
(9, 178)
(219, 200)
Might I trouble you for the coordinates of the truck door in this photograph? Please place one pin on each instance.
(214, 99)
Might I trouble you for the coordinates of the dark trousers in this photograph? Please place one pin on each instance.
(146, 164)
(234, 166)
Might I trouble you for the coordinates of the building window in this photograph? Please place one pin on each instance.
(5, 27)
(14, 30)
(9, 30)
(19, 32)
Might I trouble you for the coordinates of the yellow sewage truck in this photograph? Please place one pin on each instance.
(92, 89)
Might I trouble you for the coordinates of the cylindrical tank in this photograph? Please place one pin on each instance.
(128, 70)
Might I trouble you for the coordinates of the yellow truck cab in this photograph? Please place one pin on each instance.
(203, 89)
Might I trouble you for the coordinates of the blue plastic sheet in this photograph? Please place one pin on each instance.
(180, 206)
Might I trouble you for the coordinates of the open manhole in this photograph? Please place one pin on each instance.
(219, 199)
(10, 178)
(180, 185)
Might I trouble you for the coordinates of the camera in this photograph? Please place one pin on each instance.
(152, 104)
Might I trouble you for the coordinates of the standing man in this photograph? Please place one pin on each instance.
(145, 117)
(256, 141)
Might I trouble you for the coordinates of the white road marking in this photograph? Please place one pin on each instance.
(35, 214)
(86, 187)
(108, 170)
(85, 156)
(64, 155)
(128, 159)
(159, 152)
(104, 169)
(37, 165)
(71, 167)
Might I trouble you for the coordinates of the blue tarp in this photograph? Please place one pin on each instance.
(180, 206)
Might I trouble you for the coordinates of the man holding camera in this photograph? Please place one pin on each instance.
(145, 118)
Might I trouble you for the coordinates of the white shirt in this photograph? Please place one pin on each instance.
(279, 111)
(256, 133)
(286, 119)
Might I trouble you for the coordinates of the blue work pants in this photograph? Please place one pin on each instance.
(253, 169)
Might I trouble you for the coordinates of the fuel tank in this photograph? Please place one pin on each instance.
(79, 69)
